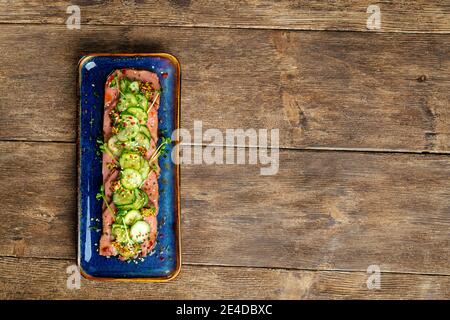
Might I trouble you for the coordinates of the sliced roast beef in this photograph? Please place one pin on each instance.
(110, 174)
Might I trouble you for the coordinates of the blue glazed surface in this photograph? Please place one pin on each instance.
(163, 260)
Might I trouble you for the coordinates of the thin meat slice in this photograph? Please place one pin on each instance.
(150, 187)
(110, 174)
(106, 248)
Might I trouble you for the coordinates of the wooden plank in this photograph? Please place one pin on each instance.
(320, 89)
(404, 16)
(323, 210)
(30, 279)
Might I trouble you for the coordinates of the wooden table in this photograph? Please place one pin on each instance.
(364, 120)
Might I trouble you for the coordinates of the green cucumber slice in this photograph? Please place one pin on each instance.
(134, 86)
(130, 160)
(119, 216)
(131, 217)
(145, 169)
(128, 133)
(129, 127)
(123, 197)
(129, 145)
(145, 201)
(126, 101)
(142, 141)
(144, 129)
(140, 202)
(120, 233)
(142, 101)
(139, 114)
(140, 231)
(113, 146)
(130, 179)
(124, 84)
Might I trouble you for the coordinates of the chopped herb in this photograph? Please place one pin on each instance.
(113, 82)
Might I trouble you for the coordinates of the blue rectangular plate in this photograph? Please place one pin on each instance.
(165, 261)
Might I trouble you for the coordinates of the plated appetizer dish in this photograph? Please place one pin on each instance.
(129, 186)
(130, 168)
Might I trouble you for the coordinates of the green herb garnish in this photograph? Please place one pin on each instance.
(101, 195)
(103, 147)
(161, 150)
(113, 82)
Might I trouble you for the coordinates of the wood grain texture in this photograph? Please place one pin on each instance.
(323, 210)
(396, 16)
(29, 279)
(321, 89)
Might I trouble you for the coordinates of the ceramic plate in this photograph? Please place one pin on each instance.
(164, 262)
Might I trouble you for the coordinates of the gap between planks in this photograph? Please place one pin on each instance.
(312, 149)
(201, 26)
(205, 265)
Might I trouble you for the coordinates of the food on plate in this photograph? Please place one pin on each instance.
(130, 164)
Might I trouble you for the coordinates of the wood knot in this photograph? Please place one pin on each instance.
(422, 78)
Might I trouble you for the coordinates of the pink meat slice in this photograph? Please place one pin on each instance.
(106, 248)
(150, 187)
(151, 183)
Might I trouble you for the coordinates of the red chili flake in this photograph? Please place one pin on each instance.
(124, 124)
(133, 123)
(164, 74)
(161, 258)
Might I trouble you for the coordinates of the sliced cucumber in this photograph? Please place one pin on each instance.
(144, 129)
(119, 217)
(126, 101)
(134, 86)
(123, 196)
(145, 169)
(140, 201)
(122, 105)
(138, 113)
(143, 202)
(113, 146)
(130, 160)
(131, 217)
(120, 233)
(129, 127)
(142, 141)
(140, 231)
(130, 144)
(142, 101)
(124, 84)
(130, 179)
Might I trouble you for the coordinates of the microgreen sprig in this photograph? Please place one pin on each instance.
(101, 195)
(103, 147)
(161, 150)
